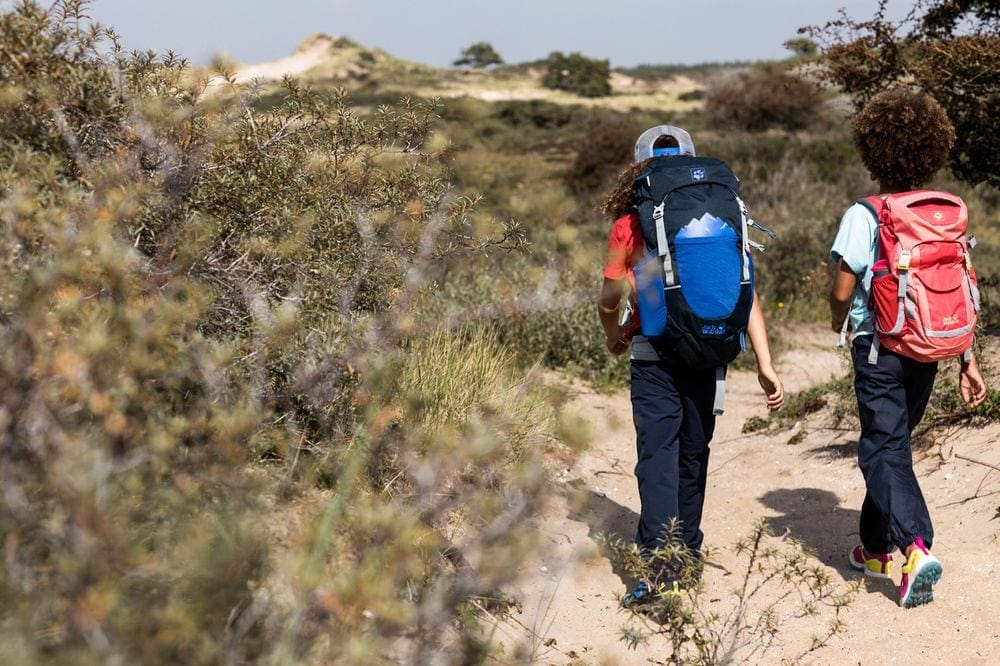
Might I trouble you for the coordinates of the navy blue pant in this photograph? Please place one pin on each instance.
(892, 396)
(672, 411)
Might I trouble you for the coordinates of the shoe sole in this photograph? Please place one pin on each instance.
(922, 588)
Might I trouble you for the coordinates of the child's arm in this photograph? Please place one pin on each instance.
(607, 307)
(768, 378)
(840, 295)
(970, 383)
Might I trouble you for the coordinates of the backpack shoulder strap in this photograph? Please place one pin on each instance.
(874, 204)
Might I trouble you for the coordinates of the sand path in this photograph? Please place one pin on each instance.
(810, 490)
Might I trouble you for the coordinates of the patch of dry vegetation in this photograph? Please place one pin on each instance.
(223, 436)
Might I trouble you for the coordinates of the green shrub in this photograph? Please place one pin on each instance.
(989, 291)
(568, 338)
(577, 74)
(693, 96)
(762, 99)
(604, 145)
(447, 376)
(836, 394)
(537, 114)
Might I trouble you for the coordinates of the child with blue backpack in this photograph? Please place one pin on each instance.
(904, 286)
(702, 306)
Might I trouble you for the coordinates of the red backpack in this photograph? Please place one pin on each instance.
(923, 294)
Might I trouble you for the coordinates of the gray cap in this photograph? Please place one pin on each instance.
(644, 144)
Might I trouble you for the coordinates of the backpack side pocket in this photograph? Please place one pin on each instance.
(710, 269)
(885, 300)
(649, 296)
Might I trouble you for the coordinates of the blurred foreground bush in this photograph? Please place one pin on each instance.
(217, 438)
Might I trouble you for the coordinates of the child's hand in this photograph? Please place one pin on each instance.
(617, 345)
(971, 384)
(772, 386)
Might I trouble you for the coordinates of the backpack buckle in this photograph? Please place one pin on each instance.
(658, 211)
(904, 261)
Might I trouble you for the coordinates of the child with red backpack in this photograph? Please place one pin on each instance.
(904, 286)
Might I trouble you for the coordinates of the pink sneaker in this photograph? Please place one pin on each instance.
(876, 565)
(921, 571)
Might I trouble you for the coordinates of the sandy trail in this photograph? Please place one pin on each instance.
(810, 490)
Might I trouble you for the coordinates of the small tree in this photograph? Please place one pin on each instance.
(480, 54)
(577, 74)
(802, 47)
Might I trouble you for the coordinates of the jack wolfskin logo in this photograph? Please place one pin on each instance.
(938, 216)
(713, 329)
(950, 321)
(698, 174)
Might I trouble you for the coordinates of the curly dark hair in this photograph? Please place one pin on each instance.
(620, 200)
(903, 137)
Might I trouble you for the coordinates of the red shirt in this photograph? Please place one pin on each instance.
(625, 249)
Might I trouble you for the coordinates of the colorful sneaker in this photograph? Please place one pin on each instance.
(921, 571)
(876, 565)
(643, 594)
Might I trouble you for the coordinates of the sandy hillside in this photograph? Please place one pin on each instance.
(317, 52)
(808, 488)
(330, 58)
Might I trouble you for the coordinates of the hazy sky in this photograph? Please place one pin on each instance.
(627, 32)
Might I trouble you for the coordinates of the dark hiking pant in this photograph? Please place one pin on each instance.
(892, 396)
(672, 411)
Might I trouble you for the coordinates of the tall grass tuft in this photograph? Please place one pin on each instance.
(450, 376)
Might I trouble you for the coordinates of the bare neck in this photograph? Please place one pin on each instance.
(892, 188)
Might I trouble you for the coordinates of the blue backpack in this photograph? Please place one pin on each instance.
(695, 283)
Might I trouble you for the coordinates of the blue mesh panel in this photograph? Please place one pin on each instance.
(710, 267)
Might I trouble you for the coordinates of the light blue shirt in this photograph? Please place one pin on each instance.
(856, 243)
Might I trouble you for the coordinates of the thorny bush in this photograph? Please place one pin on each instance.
(205, 309)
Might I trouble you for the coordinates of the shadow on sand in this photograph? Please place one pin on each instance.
(604, 516)
(811, 515)
(814, 517)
